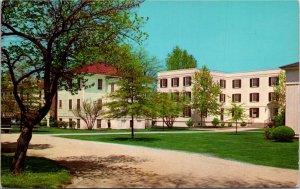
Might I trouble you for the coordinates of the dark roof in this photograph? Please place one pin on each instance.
(290, 66)
(98, 68)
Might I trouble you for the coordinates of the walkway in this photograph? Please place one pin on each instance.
(97, 164)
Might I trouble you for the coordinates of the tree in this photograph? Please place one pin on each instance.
(237, 112)
(279, 91)
(89, 111)
(180, 59)
(54, 37)
(130, 99)
(205, 94)
(167, 106)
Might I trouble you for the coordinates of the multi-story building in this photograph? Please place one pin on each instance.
(252, 89)
(104, 78)
(292, 96)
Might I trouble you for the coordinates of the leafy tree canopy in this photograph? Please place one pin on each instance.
(180, 59)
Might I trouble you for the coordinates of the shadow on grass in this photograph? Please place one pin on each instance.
(140, 139)
(33, 164)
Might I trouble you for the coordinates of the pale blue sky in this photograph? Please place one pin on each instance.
(225, 35)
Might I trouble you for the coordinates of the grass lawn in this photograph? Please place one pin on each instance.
(245, 146)
(39, 173)
(52, 130)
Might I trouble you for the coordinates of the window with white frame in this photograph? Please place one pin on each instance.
(236, 97)
(273, 81)
(237, 83)
(163, 83)
(175, 82)
(254, 82)
(254, 112)
(222, 83)
(187, 81)
(254, 97)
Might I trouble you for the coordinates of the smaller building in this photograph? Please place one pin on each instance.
(292, 96)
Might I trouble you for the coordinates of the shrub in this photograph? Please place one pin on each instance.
(222, 124)
(215, 122)
(282, 134)
(229, 124)
(243, 124)
(62, 124)
(267, 133)
(189, 123)
(72, 124)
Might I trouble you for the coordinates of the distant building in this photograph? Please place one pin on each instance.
(292, 96)
(104, 78)
(253, 89)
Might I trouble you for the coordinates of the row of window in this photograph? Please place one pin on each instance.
(253, 112)
(99, 84)
(78, 105)
(237, 83)
(254, 97)
(187, 81)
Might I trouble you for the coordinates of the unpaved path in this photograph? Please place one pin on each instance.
(105, 165)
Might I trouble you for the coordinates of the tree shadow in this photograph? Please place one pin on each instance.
(140, 139)
(33, 164)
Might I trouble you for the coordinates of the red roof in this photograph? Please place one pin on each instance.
(98, 68)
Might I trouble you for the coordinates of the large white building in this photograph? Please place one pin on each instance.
(104, 78)
(292, 111)
(253, 89)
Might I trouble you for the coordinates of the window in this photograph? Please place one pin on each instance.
(60, 119)
(100, 84)
(254, 97)
(175, 82)
(254, 112)
(163, 83)
(222, 83)
(204, 114)
(98, 123)
(70, 104)
(79, 83)
(78, 124)
(273, 81)
(254, 82)
(222, 114)
(222, 97)
(272, 97)
(112, 87)
(236, 97)
(187, 81)
(187, 95)
(100, 102)
(78, 104)
(237, 83)
(187, 112)
(60, 104)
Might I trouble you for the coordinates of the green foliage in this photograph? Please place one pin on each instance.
(279, 119)
(243, 124)
(205, 93)
(229, 124)
(180, 59)
(267, 133)
(237, 113)
(282, 134)
(62, 124)
(40, 173)
(165, 106)
(215, 122)
(189, 123)
(279, 91)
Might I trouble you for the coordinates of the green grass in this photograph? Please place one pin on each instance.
(245, 146)
(39, 173)
(52, 130)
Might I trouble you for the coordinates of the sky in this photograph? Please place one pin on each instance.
(229, 36)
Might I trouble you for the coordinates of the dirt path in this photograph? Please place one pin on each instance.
(104, 165)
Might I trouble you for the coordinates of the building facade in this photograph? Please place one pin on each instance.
(292, 96)
(104, 79)
(252, 89)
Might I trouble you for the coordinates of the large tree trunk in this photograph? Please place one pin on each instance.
(17, 165)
